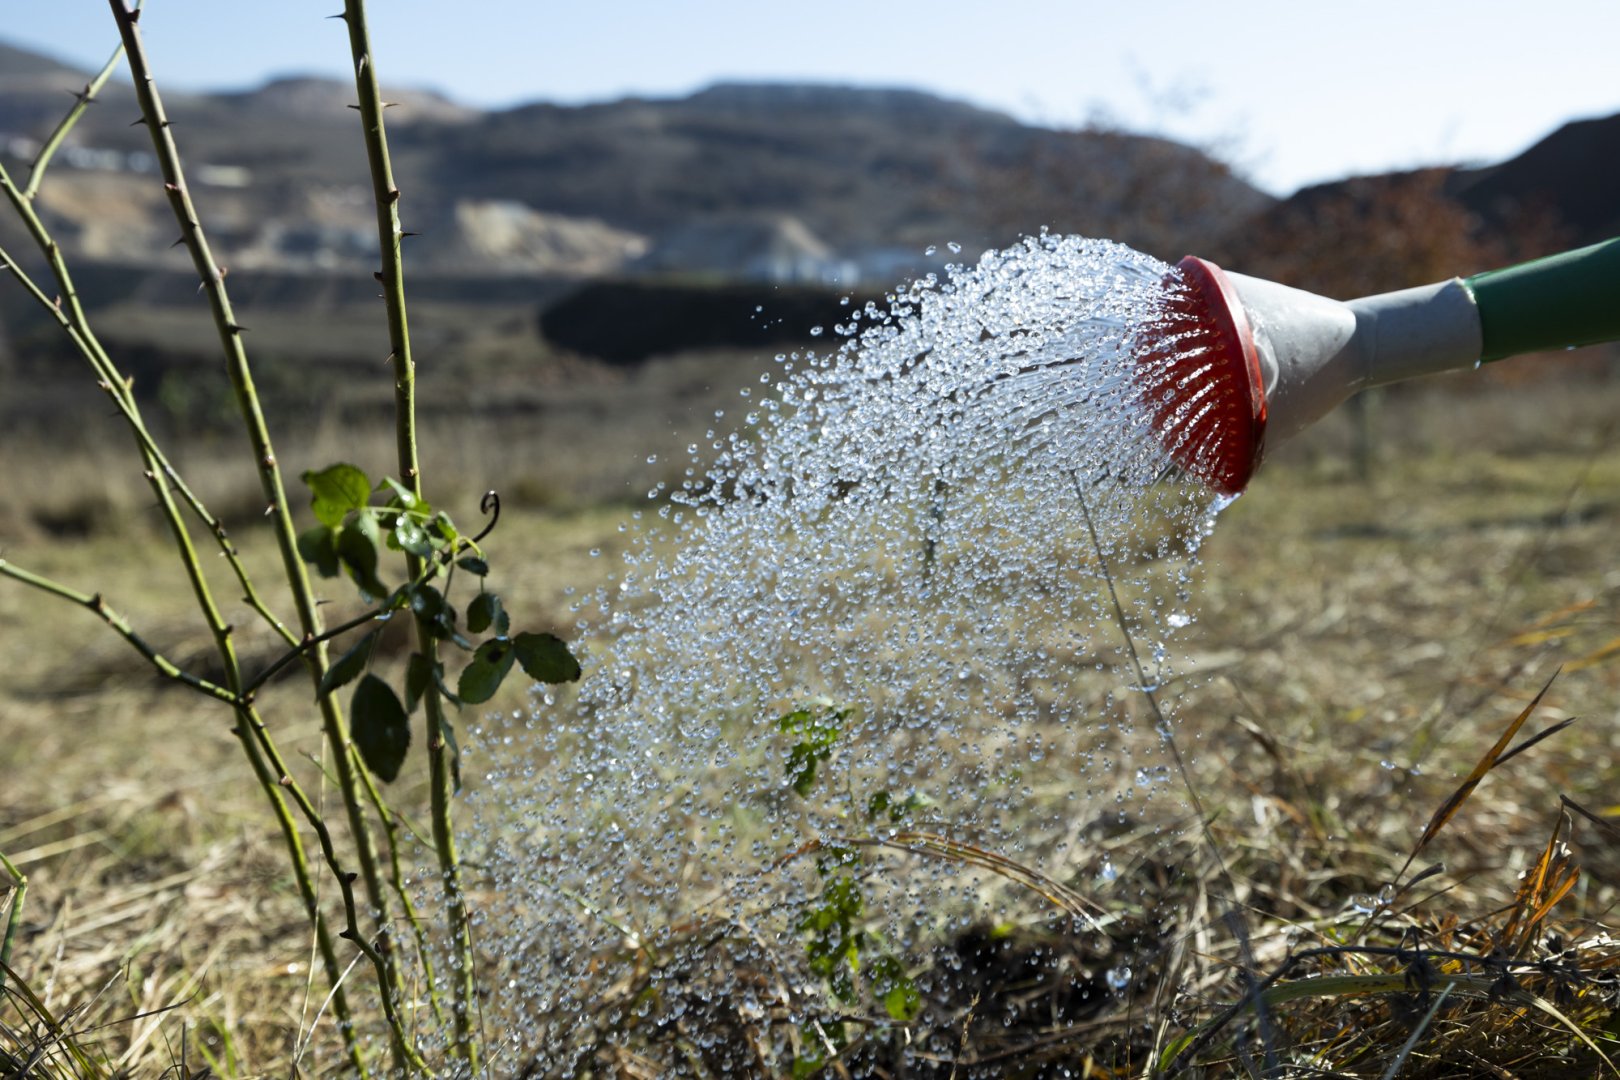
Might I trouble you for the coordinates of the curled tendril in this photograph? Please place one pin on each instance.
(491, 505)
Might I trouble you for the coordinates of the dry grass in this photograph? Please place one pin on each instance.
(1360, 647)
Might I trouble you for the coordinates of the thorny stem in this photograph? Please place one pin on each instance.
(251, 734)
(377, 614)
(119, 389)
(392, 277)
(96, 604)
(230, 335)
(302, 648)
(83, 100)
(160, 476)
(424, 953)
(351, 930)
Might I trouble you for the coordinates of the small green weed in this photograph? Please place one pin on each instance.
(853, 962)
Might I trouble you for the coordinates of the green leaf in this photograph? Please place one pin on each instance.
(408, 535)
(381, 730)
(546, 657)
(403, 496)
(357, 547)
(818, 733)
(895, 990)
(349, 665)
(418, 677)
(336, 490)
(486, 611)
(883, 803)
(473, 565)
(428, 604)
(482, 676)
(318, 547)
(441, 524)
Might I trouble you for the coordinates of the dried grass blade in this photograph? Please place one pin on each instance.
(1530, 890)
(1055, 892)
(1544, 733)
(1449, 808)
(1607, 827)
(1597, 656)
(1552, 618)
(1556, 892)
(1417, 1033)
(1575, 1029)
(50, 1029)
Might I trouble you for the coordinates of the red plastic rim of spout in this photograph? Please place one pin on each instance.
(1200, 374)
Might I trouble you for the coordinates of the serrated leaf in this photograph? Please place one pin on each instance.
(318, 547)
(546, 658)
(482, 676)
(336, 490)
(485, 611)
(349, 665)
(418, 677)
(380, 728)
(473, 565)
(357, 547)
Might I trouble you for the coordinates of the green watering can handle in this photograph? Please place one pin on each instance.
(1557, 302)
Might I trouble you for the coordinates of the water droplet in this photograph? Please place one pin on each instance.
(930, 249)
(896, 532)
(956, 249)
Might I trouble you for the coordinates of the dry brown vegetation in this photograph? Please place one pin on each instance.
(1361, 645)
(1396, 855)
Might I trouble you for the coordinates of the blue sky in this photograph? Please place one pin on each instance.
(1290, 93)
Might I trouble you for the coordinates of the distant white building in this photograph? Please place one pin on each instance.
(779, 249)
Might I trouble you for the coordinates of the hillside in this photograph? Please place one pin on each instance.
(763, 185)
(870, 176)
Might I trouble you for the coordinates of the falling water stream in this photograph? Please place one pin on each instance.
(907, 546)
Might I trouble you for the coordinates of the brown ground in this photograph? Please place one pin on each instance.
(1362, 641)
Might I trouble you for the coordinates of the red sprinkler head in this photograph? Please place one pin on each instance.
(1200, 376)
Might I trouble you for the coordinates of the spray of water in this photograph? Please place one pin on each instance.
(875, 608)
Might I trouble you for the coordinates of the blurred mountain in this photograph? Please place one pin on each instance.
(1568, 176)
(749, 184)
(1367, 234)
(854, 182)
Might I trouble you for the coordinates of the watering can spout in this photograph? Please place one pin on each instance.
(1314, 352)
(1241, 361)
